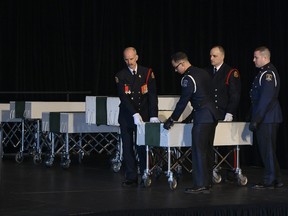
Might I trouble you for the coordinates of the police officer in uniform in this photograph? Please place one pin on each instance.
(266, 116)
(136, 86)
(196, 88)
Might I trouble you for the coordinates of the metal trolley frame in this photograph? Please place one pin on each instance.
(177, 153)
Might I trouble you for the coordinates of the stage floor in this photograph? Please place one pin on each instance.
(92, 188)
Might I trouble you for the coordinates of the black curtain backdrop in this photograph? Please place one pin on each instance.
(50, 46)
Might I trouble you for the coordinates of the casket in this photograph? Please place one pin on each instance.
(226, 134)
(102, 110)
(153, 134)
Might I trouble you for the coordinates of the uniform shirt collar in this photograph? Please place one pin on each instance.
(218, 67)
(264, 67)
(131, 70)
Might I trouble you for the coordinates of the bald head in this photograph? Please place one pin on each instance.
(130, 57)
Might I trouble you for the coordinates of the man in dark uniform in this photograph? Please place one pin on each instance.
(226, 85)
(266, 116)
(136, 87)
(196, 88)
(226, 92)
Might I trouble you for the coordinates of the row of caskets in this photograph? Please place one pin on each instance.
(100, 115)
(97, 110)
(25, 123)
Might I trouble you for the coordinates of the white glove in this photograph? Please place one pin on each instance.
(137, 119)
(154, 120)
(228, 117)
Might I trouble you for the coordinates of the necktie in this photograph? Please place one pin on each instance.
(215, 70)
(134, 76)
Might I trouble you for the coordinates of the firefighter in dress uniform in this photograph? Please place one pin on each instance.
(136, 86)
(266, 116)
(226, 84)
(226, 92)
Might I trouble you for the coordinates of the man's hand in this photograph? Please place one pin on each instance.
(137, 119)
(253, 126)
(228, 117)
(154, 120)
(168, 123)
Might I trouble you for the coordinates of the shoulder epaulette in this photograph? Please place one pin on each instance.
(236, 74)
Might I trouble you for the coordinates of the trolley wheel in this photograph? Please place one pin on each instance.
(65, 164)
(242, 180)
(147, 181)
(216, 177)
(115, 158)
(37, 159)
(49, 162)
(116, 166)
(173, 184)
(19, 157)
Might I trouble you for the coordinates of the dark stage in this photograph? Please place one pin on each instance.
(92, 188)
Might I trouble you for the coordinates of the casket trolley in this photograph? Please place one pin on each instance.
(71, 134)
(179, 137)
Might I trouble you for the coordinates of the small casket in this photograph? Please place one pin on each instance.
(153, 134)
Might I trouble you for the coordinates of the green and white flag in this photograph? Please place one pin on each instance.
(17, 109)
(102, 110)
(153, 134)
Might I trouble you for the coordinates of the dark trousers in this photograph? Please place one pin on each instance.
(266, 136)
(130, 150)
(202, 153)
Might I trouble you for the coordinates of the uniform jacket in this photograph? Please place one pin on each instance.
(264, 96)
(133, 96)
(226, 90)
(196, 88)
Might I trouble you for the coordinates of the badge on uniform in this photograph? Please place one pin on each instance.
(236, 74)
(268, 77)
(126, 89)
(184, 83)
(144, 89)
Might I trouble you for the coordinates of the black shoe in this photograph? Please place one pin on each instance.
(129, 183)
(261, 186)
(197, 190)
(278, 184)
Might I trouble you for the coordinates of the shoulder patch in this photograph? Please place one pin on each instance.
(268, 77)
(116, 80)
(184, 83)
(236, 74)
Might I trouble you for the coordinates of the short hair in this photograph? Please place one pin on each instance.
(264, 51)
(220, 48)
(179, 56)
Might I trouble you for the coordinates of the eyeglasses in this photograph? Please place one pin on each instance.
(176, 67)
